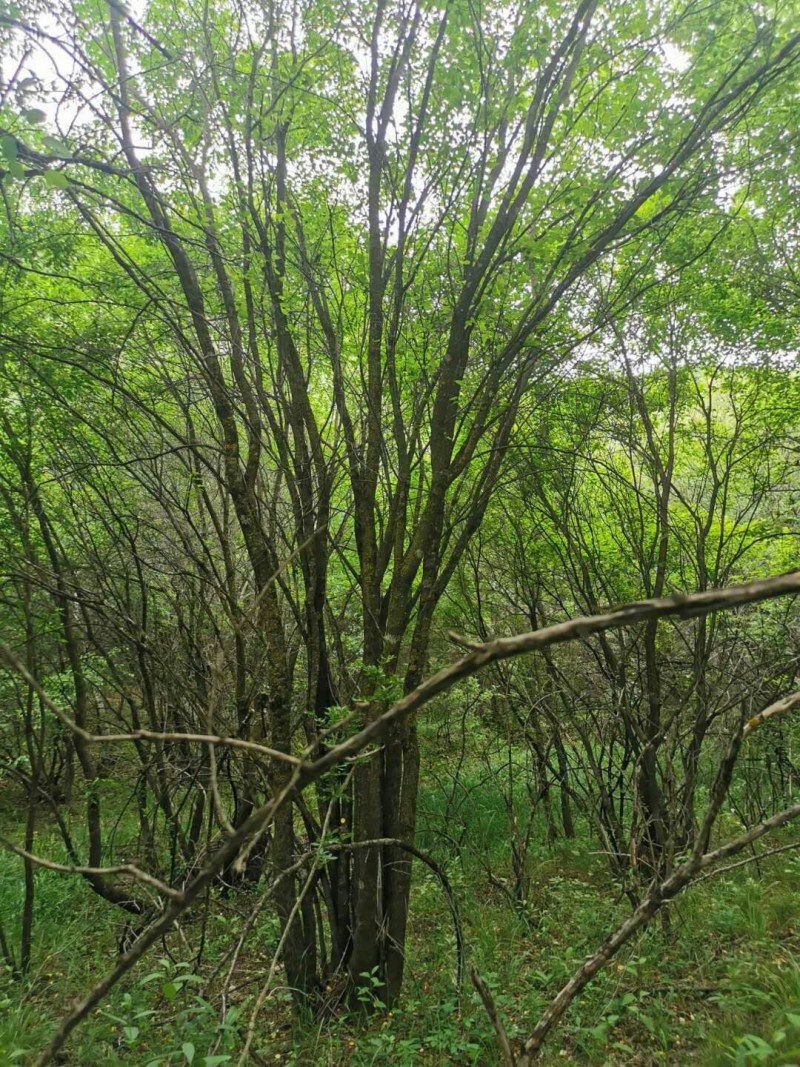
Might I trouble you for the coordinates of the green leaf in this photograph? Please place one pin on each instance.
(16, 169)
(56, 180)
(34, 114)
(213, 1061)
(188, 1050)
(8, 147)
(55, 145)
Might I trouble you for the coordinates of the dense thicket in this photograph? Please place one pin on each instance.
(329, 330)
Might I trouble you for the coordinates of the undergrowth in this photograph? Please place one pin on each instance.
(717, 982)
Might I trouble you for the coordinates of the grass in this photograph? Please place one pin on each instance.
(720, 986)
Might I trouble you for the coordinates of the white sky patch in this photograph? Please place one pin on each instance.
(675, 57)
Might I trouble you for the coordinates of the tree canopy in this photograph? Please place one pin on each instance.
(335, 338)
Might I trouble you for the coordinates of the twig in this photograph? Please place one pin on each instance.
(750, 859)
(11, 661)
(93, 872)
(658, 895)
(778, 708)
(494, 1017)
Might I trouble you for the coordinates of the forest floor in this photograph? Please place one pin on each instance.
(719, 983)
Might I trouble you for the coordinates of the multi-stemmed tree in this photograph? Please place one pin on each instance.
(297, 268)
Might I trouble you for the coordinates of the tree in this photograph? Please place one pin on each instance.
(339, 248)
